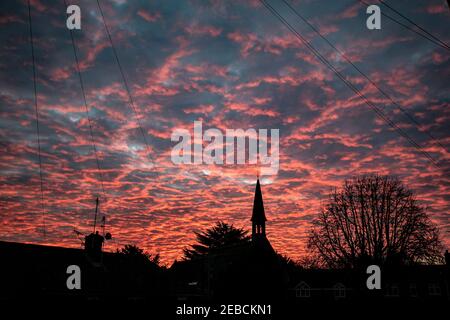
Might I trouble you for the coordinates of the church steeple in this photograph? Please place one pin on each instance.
(258, 217)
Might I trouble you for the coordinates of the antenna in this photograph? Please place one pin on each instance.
(79, 236)
(103, 224)
(96, 210)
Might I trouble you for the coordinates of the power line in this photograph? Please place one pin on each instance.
(415, 24)
(384, 93)
(408, 27)
(130, 97)
(93, 144)
(36, 109)
(379, 112)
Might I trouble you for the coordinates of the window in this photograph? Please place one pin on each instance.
(413, 290)
(339, 290)
(393, 290)
(302, 290)
(434, 289)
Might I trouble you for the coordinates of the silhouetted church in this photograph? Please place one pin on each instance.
(243, 270)
(258, 216)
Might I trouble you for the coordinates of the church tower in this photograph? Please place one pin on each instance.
(258, 217)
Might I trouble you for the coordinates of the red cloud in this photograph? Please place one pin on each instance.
(199, 30)
(147, 16)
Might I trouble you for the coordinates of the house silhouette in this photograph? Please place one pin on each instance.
(38, 272)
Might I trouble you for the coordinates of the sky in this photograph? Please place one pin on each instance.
(231, 65)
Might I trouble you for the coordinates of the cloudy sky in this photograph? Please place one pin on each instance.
(230, 64)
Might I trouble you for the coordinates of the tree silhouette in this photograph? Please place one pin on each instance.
(138, 254)
(373, 219)
(216, 238)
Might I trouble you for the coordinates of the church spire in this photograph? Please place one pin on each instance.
(258, 216)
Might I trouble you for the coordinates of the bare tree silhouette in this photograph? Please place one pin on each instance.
(214, 239)
(373, 219)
